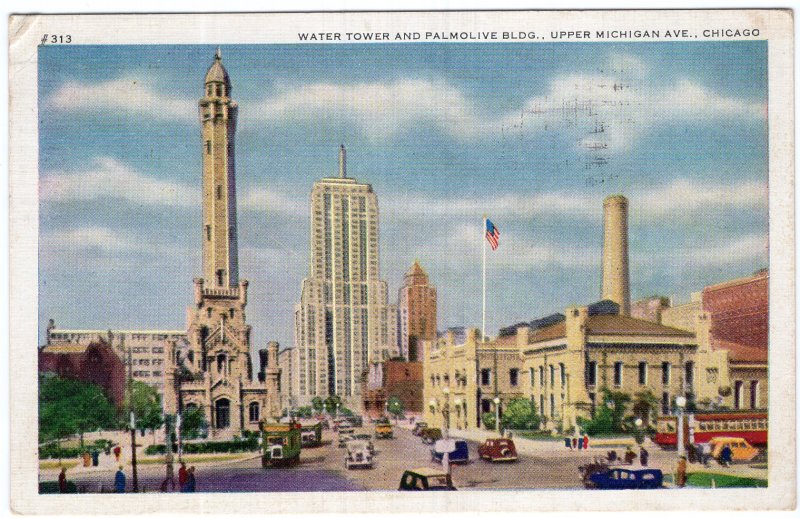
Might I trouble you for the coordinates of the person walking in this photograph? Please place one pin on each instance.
(644, 456)
(629, 456)
(706, 453)
(119, 481)
(117, 452)
(190, 481)
(585, 442)
(726, 456)
(62, 481)
(681, 475)
(183, 476)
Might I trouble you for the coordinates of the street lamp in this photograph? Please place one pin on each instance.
(680, 402)
(639, 435)
(497, 414)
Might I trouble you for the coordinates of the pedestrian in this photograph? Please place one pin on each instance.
(574, 443)
(629, 456)
(117, 452)
(62, 481)
(190, 481)
(119, 481)
(585, 442)
(644, 456)
(692, 452)
(706, 455)
(183, 476)
(726, 456)
(681, 475)
(612, 456)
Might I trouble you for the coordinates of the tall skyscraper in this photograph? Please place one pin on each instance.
(417, 312)
(343, 320)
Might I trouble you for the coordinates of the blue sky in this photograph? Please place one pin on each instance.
(535, 135)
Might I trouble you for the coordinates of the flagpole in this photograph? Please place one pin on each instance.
(483, 239)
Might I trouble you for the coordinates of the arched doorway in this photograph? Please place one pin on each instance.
(222, 413)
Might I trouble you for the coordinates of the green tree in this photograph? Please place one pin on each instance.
(395, 406)
(332, 402)
(519, 414)
(193, 422)
(318, 404)
(645, 406)
(68, 407)
(608, 417)
(304, 411)
(146, 404)
(488, 421)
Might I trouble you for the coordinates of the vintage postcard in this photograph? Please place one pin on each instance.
(354, 262)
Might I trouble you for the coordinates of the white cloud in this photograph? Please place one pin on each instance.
(745, 248)
(112, 179)
(680, 198)
(128, 94)
(265, 200)
(88, 238)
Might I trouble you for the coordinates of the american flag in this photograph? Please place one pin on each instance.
(492, 234)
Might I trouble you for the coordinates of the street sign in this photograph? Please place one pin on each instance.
(445, 446)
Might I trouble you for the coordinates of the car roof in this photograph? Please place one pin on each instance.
(428, 472)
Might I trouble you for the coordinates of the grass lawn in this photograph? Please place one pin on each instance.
(197, 458)
(701, 479)
(539, 436)
(50, 464)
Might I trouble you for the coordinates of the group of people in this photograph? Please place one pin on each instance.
(577, 443)
(186, 479)
(629, 456)
(702, 453)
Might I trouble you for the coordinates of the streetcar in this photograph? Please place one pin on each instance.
(699, 428)
(281, 443)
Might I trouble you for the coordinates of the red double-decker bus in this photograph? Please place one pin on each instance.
(700, 428)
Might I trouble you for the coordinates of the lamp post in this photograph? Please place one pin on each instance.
(639, 436)
(497, 414)
(680, 402)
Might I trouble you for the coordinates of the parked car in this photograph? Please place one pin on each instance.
(459, 456)
(358, 455)
(367, 438)
(418, 427)
(425, 479)
(741, 449)
(345, 434)
(620, 478)
(311, 435)
(383, 430)
(497, 450)
(430, 435)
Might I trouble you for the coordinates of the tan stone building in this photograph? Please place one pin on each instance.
(217, 367)
(287, 361)
(416, 306)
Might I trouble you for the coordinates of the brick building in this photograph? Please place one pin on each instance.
(393, 378)
(92, 363)
(417, 312)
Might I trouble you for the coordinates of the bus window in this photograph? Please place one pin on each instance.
(702, 426)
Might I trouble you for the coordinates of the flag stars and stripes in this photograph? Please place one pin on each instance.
(492, 234)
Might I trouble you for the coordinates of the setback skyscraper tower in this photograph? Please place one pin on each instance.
(343, 320)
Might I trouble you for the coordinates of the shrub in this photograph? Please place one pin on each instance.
(52, 451)
(249, 444)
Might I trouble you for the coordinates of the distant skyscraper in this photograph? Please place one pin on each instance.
(417, 312)
(343, 320)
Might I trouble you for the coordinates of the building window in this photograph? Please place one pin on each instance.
(219, 192)
(689, 374)
(533, 377)
(665, 403)
(642, 373)
(738, 393)
(754, 394)
(486, 405)
(254, 412)
(486, 376)
(220, 363)
(232, 312)
(618, 374)
(541, 404)
(208, 312)
(541, 376)
(208, 147)
(591, 374)
(592, 402)
(513, 377)
(665, 372)
(563, 369)
(552, 405)
(220, 276)
(552, 375)
(208, 232)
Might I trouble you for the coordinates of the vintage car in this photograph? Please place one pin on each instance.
(280, 443)
(358, 455)
(345, 434)
(426, 479)
(598, 465)
(741, 449)
(418, 427)
(311, 435)
(459, 456)
(498, 450)
(383, 430)
(430, 435)
(366, 438)
(621, 478)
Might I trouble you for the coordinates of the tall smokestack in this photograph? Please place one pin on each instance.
(342, 162)
(616, 279)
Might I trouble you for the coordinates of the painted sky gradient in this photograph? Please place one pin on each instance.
(534, 135)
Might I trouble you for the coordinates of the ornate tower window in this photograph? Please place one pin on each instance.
(208, 147)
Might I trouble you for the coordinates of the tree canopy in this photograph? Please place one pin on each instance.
(193, 422)
(68, 407)
(145, 402)
(395, 406)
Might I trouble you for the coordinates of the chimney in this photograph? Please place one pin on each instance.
(616, 279)
(342, 162)
(262, 364)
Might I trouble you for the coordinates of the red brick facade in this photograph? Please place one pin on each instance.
(397, 378)
(739, 310)
(417, 307)
(94, 363)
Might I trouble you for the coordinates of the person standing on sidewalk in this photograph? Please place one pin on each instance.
(190, 481)
(119, 481)
(62, 481)
(681, 475)
(183, 476)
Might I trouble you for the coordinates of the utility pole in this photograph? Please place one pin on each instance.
(132, 423)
